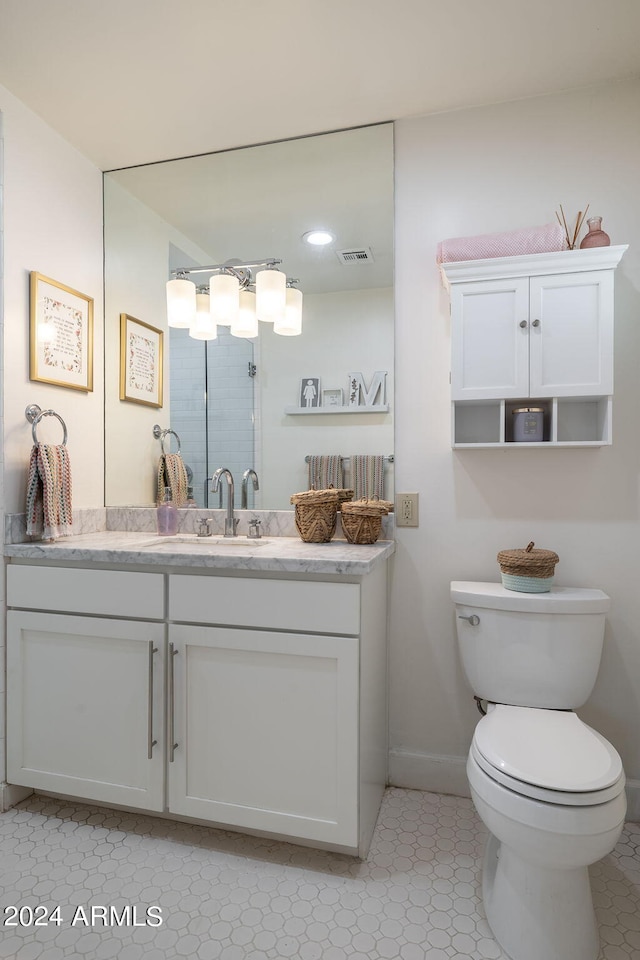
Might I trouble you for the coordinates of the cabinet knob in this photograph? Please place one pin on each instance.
(523, 324)
(535, 323)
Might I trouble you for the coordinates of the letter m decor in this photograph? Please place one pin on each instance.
(375, 396)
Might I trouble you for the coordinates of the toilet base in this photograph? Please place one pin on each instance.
(538, 913)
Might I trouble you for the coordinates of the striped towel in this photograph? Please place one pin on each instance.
(367, 476)
(172, 474)
(49, 512)
(325, 471)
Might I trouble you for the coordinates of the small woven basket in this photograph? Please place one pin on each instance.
(362, 519)
(316, 513)
(528, 570)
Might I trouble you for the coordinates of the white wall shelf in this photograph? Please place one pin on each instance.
(308, 411)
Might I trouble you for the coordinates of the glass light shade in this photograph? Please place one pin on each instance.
(271, 295)
(247, 323)
(225, 298)
(181, 302)
(291, 324)
(203, 326)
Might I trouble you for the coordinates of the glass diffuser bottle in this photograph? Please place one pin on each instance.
(596, 237)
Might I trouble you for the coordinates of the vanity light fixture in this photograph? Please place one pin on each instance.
(236, 299)
(318, 238)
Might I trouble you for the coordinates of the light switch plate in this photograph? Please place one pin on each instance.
(406, 510)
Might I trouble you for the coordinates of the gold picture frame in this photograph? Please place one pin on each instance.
(141, 362)
(60, 334)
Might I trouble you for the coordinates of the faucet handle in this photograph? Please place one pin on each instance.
(205, 526)
(255, 532)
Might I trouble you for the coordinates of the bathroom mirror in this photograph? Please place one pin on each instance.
(232, 402)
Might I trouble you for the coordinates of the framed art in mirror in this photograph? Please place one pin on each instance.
(61, 334)
(140, 362)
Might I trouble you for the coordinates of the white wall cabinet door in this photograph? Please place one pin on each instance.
(490, 339)
(265, 727)
(571, 334)
(84, 707)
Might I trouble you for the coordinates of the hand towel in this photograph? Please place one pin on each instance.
(367, 476)
(325, 471)
(513, 243)
(172, 474)
(49, 513)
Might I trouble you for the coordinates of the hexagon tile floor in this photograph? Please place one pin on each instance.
(222, 895)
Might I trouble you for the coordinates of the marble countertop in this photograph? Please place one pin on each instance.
(277, 554)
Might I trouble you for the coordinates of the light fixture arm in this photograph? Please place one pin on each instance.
(182, 273)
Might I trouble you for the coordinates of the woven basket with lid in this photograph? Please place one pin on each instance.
(528, 570)
(316, 512)
(362, 519)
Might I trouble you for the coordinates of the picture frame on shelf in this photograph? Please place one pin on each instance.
(309, 392)
(60, 334)
(332, 397)
(141, 362)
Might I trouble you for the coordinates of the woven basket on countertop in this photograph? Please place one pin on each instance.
(528, 570)
(362, 519)
(316, 512)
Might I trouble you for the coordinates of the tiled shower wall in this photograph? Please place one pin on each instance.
(219, 370)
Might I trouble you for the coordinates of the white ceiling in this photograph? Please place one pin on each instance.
(133, 81)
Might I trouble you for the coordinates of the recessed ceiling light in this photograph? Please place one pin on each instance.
(319, 238)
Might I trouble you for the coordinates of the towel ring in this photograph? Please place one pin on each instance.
(34, 415)
(161, 435)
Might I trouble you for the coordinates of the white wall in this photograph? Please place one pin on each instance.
(53, 225)
(475, 171)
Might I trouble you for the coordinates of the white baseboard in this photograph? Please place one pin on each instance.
(10, 795)
(423, 771)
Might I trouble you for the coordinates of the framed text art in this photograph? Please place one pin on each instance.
(61, 334)
(140, 362)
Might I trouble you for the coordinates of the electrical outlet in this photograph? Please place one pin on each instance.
(406, 509)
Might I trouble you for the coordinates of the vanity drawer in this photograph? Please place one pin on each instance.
(116, 593)
(306, 606)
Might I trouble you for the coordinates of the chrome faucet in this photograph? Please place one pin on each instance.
(245, 481)
(230, 523)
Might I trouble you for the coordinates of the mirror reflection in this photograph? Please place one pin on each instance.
(240, 402)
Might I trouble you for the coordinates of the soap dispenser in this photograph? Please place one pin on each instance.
(167, 515)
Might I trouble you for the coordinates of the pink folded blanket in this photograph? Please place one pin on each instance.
(512, 243)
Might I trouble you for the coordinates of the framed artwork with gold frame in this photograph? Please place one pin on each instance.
(140, 362)
(60, 333)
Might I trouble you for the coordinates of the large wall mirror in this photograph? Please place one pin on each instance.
(230, 400)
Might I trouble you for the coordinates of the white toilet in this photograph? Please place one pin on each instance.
(549, 789)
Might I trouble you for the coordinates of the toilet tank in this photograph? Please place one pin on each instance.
(530, 650)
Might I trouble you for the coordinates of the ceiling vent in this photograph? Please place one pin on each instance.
(355, 255)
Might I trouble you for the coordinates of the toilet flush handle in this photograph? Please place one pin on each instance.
(474, 619)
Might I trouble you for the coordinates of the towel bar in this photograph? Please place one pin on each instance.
(389, 459)
(34, 415)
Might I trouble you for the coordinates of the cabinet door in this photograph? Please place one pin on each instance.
(490, 339)
(571, 346)
(265, 731)
(84, 704)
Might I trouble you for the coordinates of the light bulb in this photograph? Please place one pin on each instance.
(291, 324)
(181, 302)
(246, 324)
(225, 298)
(203, 326)
(271, 295)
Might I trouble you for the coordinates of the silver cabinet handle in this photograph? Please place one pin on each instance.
(172, 744)
(535, 323)
(523, 324)
(474, 619)
(151, 743)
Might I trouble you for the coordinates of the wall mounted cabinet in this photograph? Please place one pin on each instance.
(534, 330)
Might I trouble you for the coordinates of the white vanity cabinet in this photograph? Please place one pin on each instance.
(252, 702)
(533, 331)
(85, 693)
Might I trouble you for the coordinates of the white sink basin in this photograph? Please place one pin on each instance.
(201, 542)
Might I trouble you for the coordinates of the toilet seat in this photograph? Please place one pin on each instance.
(548, 755)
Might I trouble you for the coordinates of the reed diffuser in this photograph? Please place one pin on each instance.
(572, 238)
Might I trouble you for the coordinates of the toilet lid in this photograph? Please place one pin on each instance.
(552, 749)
